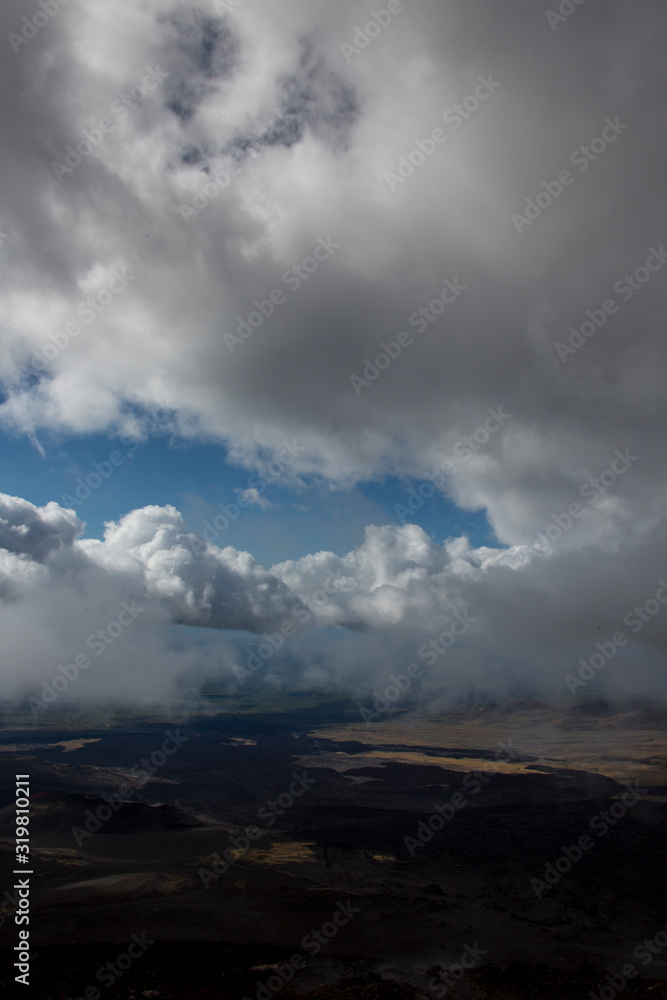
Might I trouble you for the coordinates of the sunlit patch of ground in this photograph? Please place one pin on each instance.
(40, 804)
(597, 745)
(13, 748)
(69, 745)
(63, 855)
(450, 763)
(377, 758)
(111, 884)
(170, 884)
(283, 853)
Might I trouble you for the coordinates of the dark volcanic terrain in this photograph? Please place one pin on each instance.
(318, 815)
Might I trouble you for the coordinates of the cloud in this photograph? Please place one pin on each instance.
(528, 616)
(251, 497)
(323, 131)
(304, 137)
(57, 591)
(24, 529)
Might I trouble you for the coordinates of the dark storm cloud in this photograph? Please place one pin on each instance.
(199, 49)
(315, 100)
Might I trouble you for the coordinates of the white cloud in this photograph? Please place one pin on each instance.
(531, 614)
(251, 497)
(325, 131)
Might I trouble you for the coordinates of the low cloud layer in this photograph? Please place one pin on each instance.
(501, 620)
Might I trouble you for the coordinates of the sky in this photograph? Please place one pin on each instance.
(337, 323)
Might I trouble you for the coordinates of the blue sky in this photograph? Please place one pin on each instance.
(197, 477)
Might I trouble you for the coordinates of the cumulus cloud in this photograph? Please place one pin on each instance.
(197, 583)
(38, 533)
(523, 616)
(57, 591)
